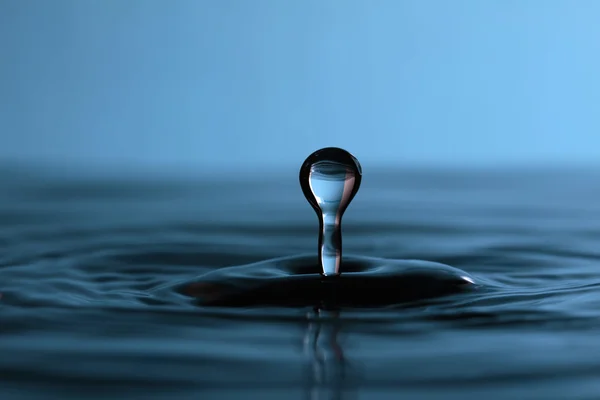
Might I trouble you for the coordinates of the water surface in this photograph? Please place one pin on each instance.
(85, 263)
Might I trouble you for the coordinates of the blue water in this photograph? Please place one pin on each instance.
(88, 264)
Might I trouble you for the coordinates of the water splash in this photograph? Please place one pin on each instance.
(330, 178)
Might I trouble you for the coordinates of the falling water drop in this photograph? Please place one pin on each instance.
(330, 178)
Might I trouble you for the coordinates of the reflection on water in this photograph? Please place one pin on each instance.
(328, 365)
(88, 310)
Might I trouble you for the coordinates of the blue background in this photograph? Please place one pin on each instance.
(241, 84)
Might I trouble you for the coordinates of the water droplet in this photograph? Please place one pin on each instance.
(330, 178)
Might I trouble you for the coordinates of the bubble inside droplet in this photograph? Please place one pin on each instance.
(330, 178)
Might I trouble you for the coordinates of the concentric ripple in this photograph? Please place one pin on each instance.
(93, 277)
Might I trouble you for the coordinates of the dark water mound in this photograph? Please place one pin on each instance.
(295, 282)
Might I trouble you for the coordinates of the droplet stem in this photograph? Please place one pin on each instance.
(330, 245)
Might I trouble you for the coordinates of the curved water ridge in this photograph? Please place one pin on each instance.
(298, 281)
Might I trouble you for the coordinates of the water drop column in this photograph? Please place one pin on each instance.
(330, 178)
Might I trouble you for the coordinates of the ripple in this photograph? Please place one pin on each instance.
(93, 276)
